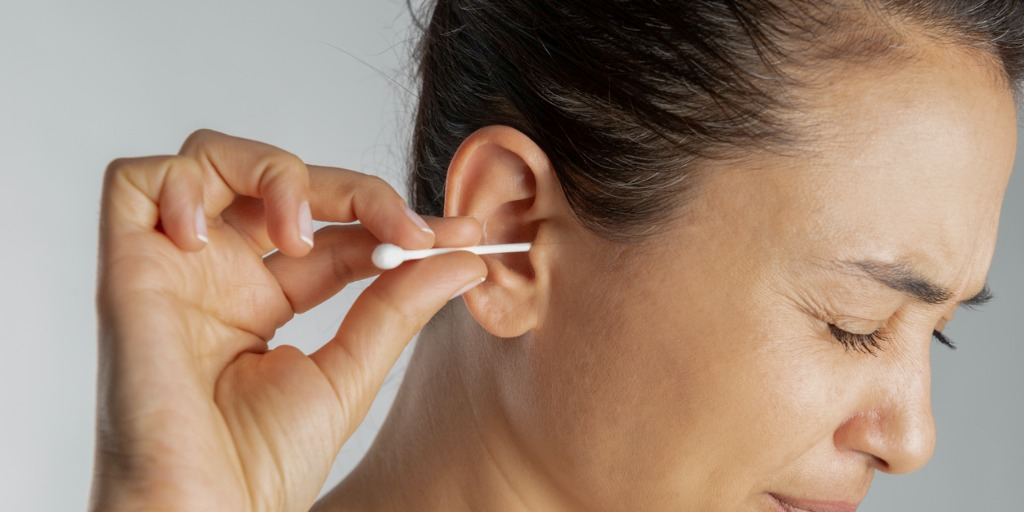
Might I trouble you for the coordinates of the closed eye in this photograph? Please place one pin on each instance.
(865, 343)
(869, 343)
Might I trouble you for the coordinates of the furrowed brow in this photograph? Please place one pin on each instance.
(902, 278)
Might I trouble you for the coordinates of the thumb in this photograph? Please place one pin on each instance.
(383, 320)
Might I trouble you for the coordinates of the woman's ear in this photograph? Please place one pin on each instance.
(504, 180)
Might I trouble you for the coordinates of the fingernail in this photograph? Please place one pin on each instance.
(468, 287)
(201, 232)
(418, 220)
(306, 223)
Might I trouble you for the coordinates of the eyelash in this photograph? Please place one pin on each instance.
(869, 343)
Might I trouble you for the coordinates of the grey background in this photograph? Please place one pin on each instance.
(84, 82)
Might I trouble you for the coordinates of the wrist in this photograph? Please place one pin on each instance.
(117, 488)
(114, 496)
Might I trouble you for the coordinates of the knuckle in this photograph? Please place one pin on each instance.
(147, 172)
(380, 195)
(288, 162)
(116, 167)
(198, 139)
(282, 165)
(180, 163)
(379, 186)
(121, 171)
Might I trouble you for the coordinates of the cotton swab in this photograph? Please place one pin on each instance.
(388, 256)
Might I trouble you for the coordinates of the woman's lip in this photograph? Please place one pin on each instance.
(787, 504)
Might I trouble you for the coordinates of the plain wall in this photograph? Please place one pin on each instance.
(84, 82)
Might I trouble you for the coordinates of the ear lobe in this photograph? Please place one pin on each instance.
(504, 180)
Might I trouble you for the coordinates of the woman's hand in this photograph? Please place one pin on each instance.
(195, 413)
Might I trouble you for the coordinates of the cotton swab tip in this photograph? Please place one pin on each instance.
(388, 256)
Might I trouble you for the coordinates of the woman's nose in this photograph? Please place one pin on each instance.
(895, 427)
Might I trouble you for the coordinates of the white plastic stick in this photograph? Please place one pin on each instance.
(388, 256)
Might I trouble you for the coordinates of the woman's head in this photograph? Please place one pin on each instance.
(808, 192)
(630, 100)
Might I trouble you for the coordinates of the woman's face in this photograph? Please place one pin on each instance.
(699, 371)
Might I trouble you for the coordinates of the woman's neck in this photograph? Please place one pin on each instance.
(447, 444)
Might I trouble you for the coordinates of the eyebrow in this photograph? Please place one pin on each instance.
(902, 278)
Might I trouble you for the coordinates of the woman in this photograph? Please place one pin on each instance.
(749, 220)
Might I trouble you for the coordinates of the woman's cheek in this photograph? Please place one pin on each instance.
(807, 394)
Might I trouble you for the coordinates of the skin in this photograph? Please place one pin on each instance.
(697, 371)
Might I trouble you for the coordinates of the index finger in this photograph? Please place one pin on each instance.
(342, 195)
(233, 165)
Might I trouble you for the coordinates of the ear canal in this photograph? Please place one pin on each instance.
(505, 224)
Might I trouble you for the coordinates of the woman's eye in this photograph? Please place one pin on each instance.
(865, 343)
(868, 343)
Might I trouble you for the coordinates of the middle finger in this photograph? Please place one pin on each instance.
(339, 195)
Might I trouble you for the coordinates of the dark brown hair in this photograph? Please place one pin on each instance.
(629, 98)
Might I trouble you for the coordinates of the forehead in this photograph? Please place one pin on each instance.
(921, 157)
(909, 164)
